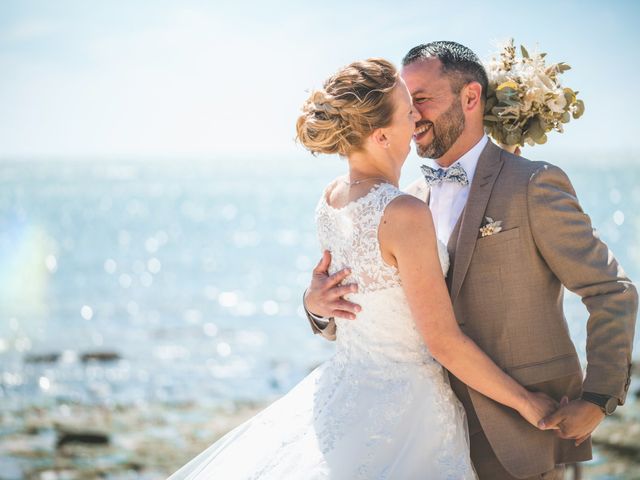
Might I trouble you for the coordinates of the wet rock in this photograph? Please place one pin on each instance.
(87, 438)
(52, 357)
(618, 436)
(99, 357)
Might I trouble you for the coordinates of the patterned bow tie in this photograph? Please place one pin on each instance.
(435, 176)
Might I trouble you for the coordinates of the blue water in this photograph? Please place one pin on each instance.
(193, 272)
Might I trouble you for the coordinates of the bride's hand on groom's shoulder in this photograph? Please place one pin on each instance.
(324, 297)
(537, 406)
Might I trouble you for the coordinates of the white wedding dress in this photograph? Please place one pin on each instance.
(380, 408)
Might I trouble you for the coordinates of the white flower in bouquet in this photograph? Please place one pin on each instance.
(526, 99)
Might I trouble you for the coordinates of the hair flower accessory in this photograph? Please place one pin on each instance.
(525, 98)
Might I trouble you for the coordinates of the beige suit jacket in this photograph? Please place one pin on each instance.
(507, 294)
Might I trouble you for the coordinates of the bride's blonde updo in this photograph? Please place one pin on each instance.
(351, 105)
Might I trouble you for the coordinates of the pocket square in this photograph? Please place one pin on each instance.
(490, 227)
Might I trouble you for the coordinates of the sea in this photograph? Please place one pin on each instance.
(180, 281)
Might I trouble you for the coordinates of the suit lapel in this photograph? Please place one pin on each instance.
(453, 239)
(489, 165)
(451, 249)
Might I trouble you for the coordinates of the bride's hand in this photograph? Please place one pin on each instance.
(536, 406)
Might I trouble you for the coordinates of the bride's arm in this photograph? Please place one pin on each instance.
(407, 239)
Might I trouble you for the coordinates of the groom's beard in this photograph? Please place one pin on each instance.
(446, 131)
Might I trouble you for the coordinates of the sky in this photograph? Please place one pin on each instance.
(151, 79)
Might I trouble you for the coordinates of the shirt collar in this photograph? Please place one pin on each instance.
(469, 161)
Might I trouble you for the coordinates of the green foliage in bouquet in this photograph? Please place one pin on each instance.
(525, 99)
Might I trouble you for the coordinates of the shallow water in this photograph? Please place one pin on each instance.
(191, 271)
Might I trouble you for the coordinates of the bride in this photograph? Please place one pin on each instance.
(381, 407)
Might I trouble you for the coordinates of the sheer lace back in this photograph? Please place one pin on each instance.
(351, 234)
(385, 329)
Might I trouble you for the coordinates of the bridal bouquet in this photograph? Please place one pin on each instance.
(525, 99)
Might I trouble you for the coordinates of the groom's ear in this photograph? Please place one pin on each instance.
(471, 96)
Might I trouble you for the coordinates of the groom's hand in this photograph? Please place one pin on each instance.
(575, 420)
(324, 295)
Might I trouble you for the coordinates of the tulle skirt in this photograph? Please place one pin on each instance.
(348, 421)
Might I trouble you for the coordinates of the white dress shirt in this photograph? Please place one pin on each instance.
(447, 200)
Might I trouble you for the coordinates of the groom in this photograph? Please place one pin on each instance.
(506, 284)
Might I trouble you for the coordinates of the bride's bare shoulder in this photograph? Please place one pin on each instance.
(407, 210)
(418, 189)
(406, 222)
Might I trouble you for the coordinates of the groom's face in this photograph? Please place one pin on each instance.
(441, 117)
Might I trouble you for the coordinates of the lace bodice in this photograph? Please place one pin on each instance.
(351, 234)
(384, 329)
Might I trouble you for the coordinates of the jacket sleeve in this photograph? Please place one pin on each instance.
(584, 264)
(319, 325)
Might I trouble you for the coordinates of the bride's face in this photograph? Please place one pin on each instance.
(403, 123)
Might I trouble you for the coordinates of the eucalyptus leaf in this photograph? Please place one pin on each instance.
(535, 129)
(579, 109)
(525, 54)
(541, 140)
(508, 96)
(569, 96)
(491, 102)
(563, 67)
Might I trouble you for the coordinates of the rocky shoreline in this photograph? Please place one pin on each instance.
(617, 440)
(150, 441)
(83, 442)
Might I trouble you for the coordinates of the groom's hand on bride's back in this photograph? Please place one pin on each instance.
(324, 297)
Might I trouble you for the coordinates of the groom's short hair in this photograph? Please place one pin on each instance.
(459, 63)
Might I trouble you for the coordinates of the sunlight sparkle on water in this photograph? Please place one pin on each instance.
(44, 383)
(154, 265)
(87, 312)
(228, 299)
(110, 265)
(223, 349)
(210, 329)
(51, 263)
(192, 316)
(618, 217)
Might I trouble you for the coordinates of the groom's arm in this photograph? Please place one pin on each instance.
(585, 265)
(320, 325)
(325, 298)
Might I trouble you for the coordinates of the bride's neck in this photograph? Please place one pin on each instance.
(365, 166)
